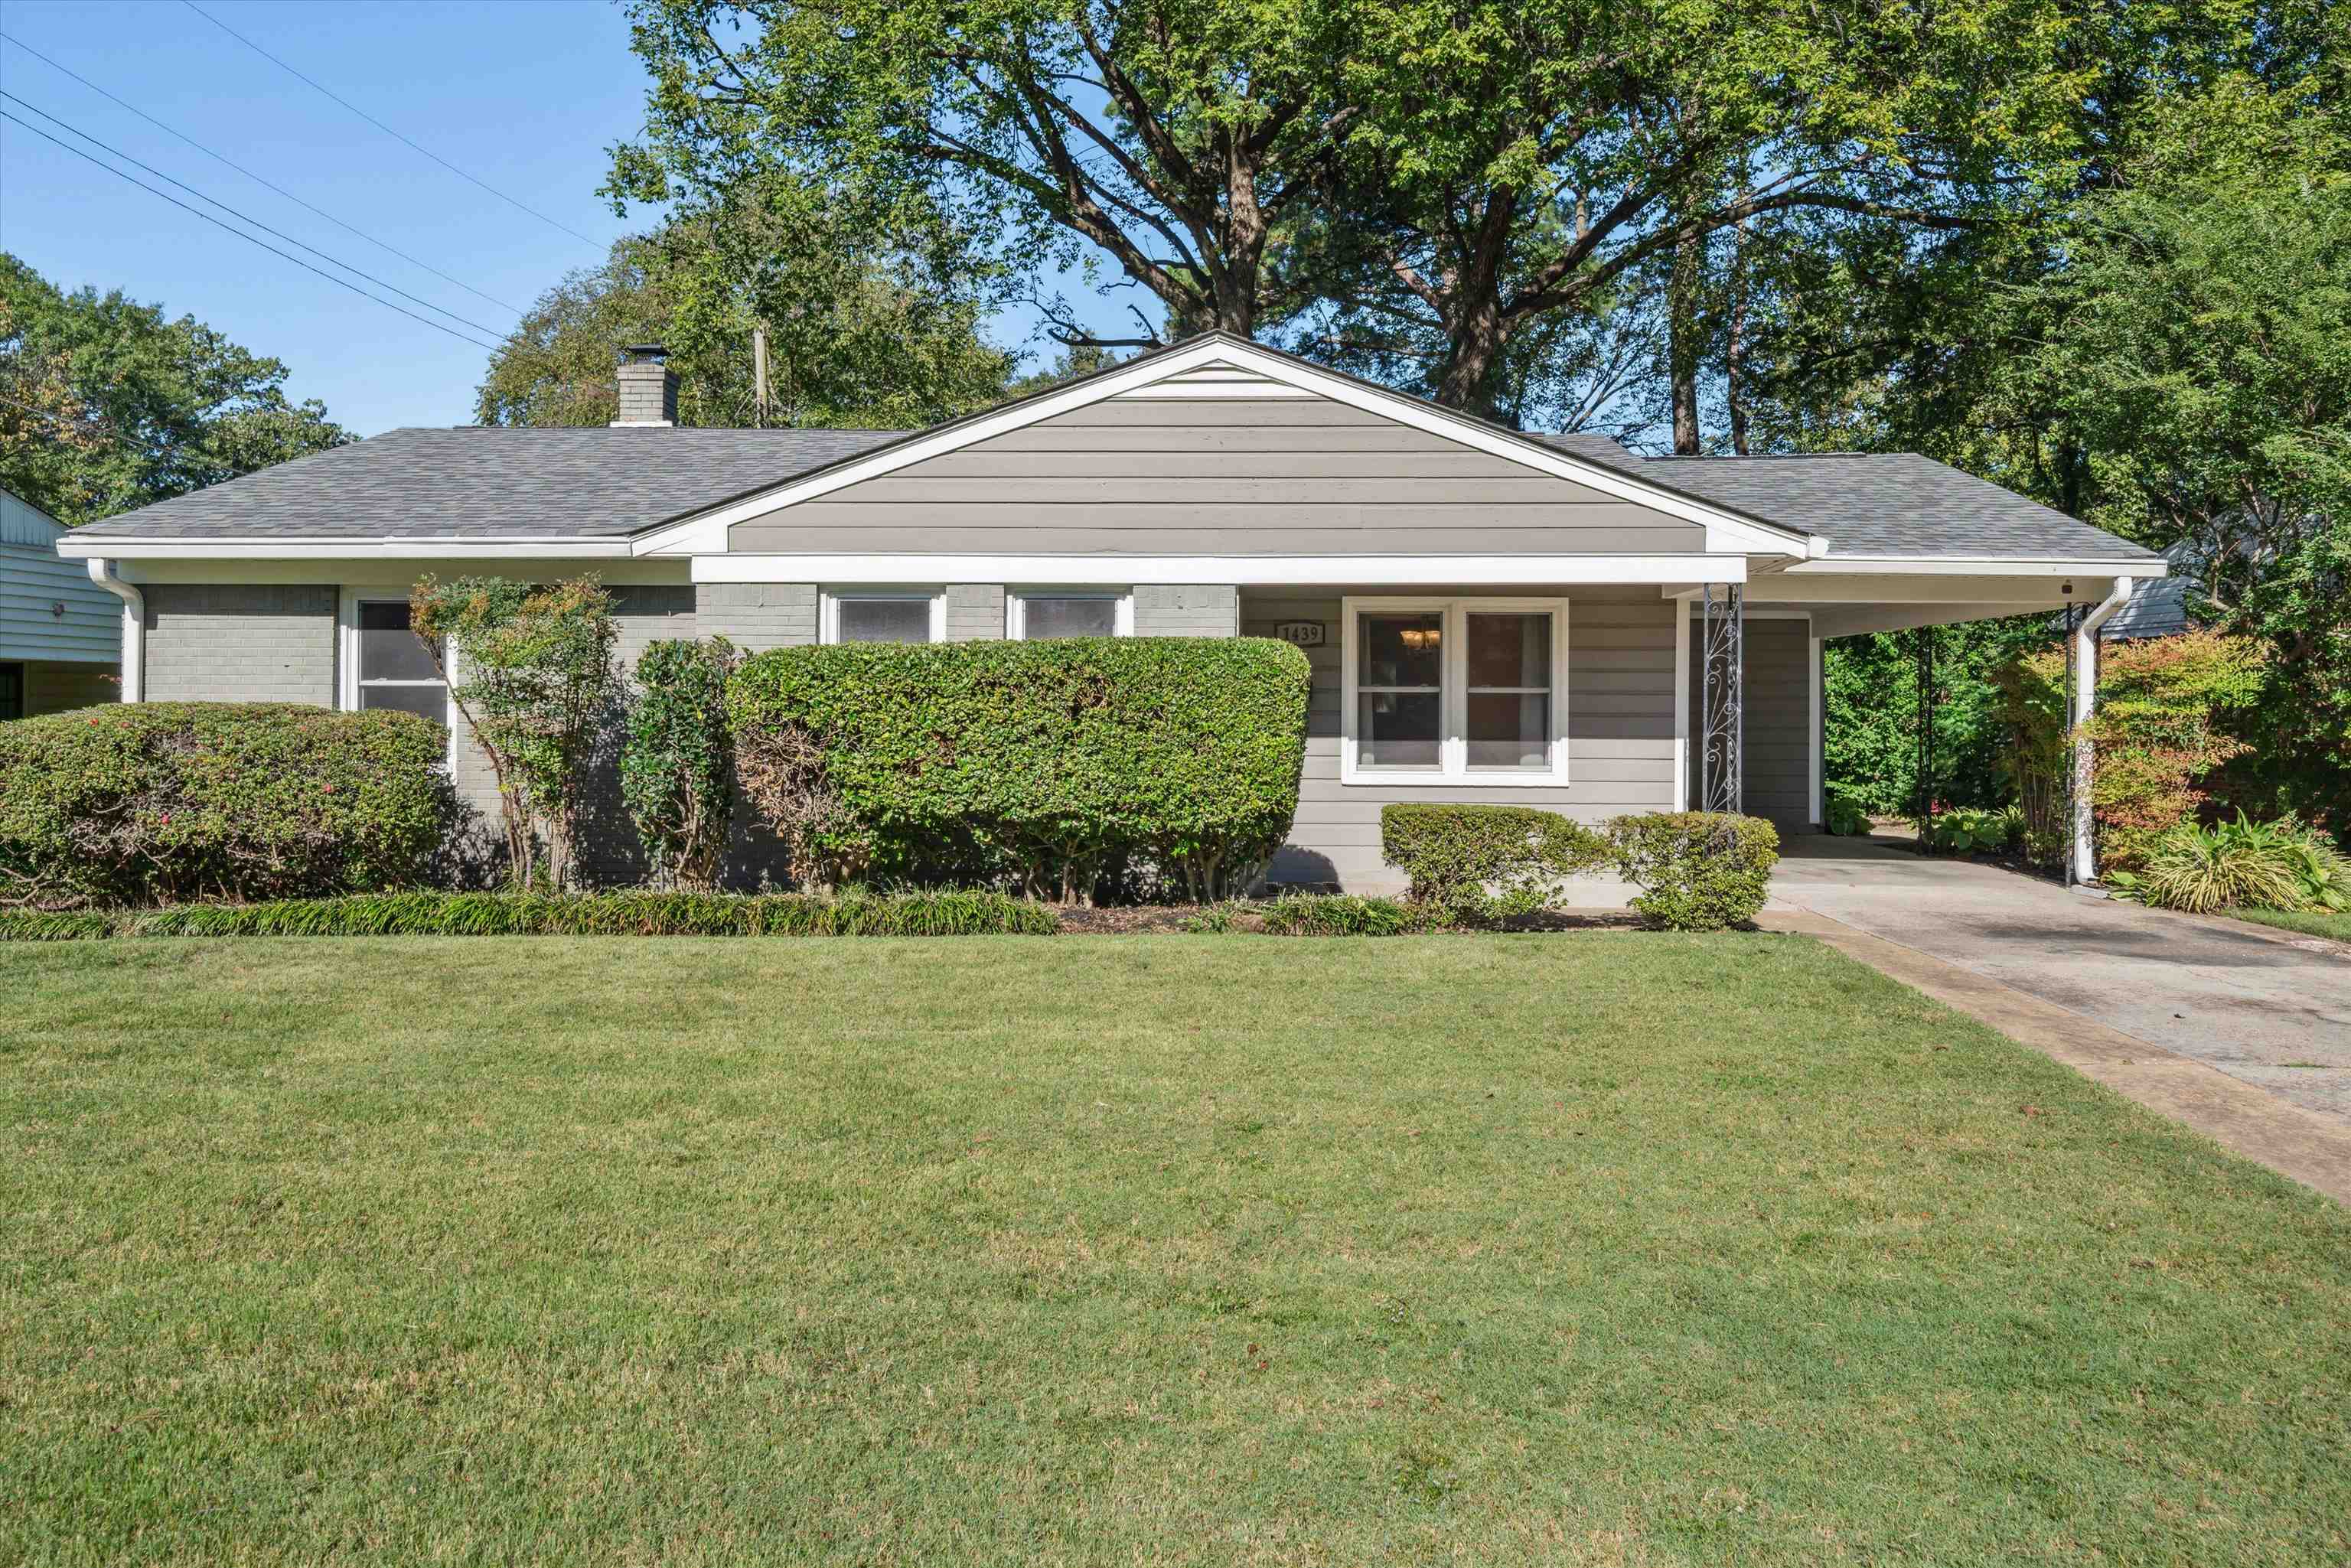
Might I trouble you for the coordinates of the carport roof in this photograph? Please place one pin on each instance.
(1874, 503)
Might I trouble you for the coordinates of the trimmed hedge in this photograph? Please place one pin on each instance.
(1056, 766)
(1486, 863)
(543, 914)
(160, 802)
(1697, 871)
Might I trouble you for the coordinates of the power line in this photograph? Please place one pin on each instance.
(240, 234)
(379, 125)
(249, 174)
(244, 218)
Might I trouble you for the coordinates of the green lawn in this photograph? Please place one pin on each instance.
(1594, 1247)
(2338, 926)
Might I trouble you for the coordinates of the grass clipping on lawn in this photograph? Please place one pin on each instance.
(1568, 1247)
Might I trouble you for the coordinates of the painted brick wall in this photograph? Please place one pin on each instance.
(1187, 610)
(246, 642)
(975, 612)
(756, 616)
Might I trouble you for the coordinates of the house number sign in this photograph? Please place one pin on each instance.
(1303, 634)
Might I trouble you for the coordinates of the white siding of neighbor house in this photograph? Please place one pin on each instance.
(49, 609)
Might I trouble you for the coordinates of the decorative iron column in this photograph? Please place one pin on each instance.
(2066, 791)
(1722, 717)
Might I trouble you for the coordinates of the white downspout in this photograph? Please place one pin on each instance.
(134, 627)
(2086, 707)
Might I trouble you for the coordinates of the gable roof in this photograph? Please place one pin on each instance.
(612, 484)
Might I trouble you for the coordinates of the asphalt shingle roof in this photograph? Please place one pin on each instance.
(1872, 502)
(485, 482)
(480, 482)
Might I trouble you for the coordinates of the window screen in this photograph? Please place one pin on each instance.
(1068, 615)
(883, 619)
(395, 666)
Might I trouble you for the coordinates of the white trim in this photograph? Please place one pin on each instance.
(829, 606)
(1975, 566)
(347, 657)
(403, 546)
(132, 672)
(1016, 607)
(1453, 771)
(705, 533)
(1816, 676)
(1682, 712)
(1187, 389)
(1243, 571)
(2085, 708)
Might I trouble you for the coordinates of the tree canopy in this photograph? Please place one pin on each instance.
(107, 405)
(856, 337)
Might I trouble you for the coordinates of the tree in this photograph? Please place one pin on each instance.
(1179, 139)
(854, 338)
(111, 406)
(537, 685)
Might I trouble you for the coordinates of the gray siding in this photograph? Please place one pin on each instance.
(1197, 610)
(240, 643)
(1217, 476)
(976, 612)
(756, 616)
(1777, 781)
(1620, 726)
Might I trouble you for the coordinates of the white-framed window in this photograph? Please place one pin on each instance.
(883, 615)
(1453, 691)
(382, 663)
(1036, 613)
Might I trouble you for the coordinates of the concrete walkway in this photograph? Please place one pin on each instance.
(2095, 982)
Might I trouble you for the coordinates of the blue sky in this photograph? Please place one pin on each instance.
(525, 95)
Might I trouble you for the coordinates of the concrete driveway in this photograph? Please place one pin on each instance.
(2271, 1011)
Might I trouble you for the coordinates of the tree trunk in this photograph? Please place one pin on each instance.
(1684, 340)
(1734, 351)
(1467, 382)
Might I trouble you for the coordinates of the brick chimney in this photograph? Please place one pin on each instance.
(648, 391)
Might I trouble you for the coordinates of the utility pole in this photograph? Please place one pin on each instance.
(759, 377)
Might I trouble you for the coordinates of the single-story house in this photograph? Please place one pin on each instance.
(1490, 615)
(59, 641)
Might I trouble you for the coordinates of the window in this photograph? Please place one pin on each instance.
(393, 668)
(1069, 612)
(883, 615)
(1467, 690)
(12, 691)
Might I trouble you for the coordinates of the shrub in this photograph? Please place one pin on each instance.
(1050, 764)
(149, 802)
(1486, 863)
(538, 689)
(1966, 829)
(677, 764)
(2240, 864)
(2167, 707)
(951, 914)
(1341, 914)
(1697, 871)
(1848, 813)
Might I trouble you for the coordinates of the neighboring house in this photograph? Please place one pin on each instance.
(60, 634)
(2159, 608)
(1490, 616)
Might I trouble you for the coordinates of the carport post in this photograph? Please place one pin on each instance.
(2086, 707)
